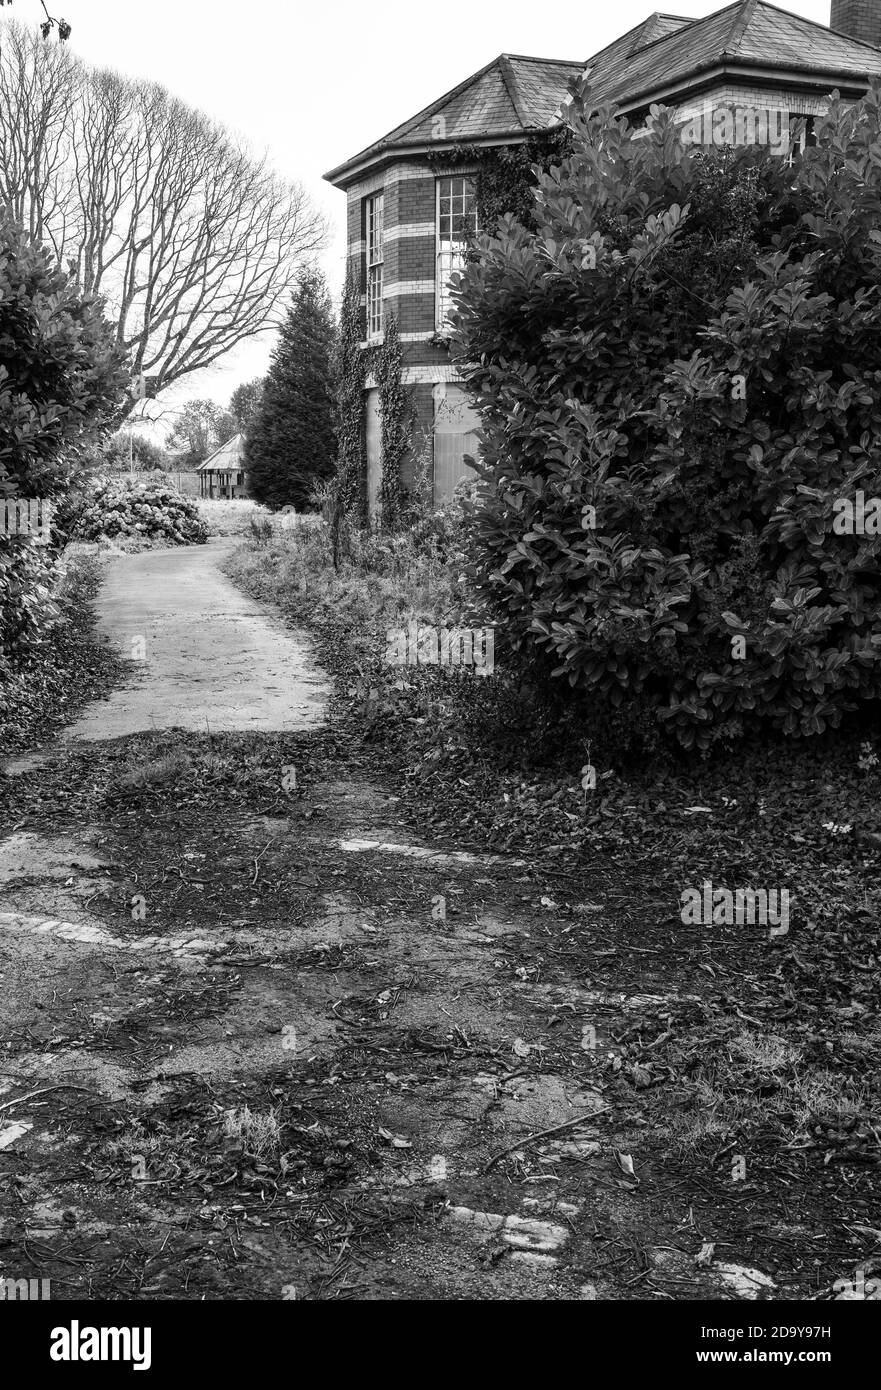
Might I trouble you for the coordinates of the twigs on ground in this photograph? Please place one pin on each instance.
(543, 1134)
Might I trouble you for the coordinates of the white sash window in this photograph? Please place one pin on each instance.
(374, 265)
(456, 225)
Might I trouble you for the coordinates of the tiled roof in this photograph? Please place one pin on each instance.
(658, 26)
(514, 95)
(230, 455)
(614, 58)
(793, 39)
(541, 86)
(748, 32)
(487, 104)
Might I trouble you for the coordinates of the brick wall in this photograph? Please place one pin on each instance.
(409, 253)
(410, 249)
(357, 249)
(409, 269)
(772, 98)
(859, 19)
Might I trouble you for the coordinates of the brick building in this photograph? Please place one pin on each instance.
(409, 215)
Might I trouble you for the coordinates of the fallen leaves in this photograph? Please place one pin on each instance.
(397, 1141)
(625, 1163)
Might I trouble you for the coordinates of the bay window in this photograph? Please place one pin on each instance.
(456, 225)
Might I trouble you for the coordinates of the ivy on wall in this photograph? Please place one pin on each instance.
(396, 416)
(385, 361)
(505, 177)
(351, 369)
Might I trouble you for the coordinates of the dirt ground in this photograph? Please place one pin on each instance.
(263, 1039)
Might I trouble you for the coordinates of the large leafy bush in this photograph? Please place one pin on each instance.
(61, 377)
(688, 343)
(123, 508)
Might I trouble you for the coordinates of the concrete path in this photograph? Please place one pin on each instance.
(258, 1043)
(203, 655)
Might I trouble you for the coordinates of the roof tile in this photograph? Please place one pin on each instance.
(516, 93)
(747, 32)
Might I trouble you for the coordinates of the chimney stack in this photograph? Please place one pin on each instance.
(859, 19)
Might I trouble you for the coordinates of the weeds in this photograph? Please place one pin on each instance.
(157, 773)
(258, 1134)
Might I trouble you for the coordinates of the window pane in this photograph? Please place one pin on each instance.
(374, 301)
(374, 229)
(456, 223)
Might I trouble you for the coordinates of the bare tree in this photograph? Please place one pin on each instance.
(193, 242)
(39, 102)
(49, 23)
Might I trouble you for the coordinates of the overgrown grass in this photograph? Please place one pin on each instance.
(161, 770)
(812, 1104)
(380, 582)
(230, 516)
(385, 584)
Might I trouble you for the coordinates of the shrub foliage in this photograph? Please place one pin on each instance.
(688, 343)
(61, 379)
(125, 509)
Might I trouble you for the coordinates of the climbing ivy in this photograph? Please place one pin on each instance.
(396, 416)
(385, 361)
(351, 370)
(505, 174)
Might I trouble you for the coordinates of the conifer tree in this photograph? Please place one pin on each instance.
(291, 442)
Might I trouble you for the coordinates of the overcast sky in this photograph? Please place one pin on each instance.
(314, 83)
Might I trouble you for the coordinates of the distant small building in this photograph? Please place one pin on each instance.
(223, 474)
